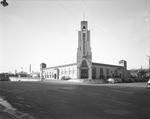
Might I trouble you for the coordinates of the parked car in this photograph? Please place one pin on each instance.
(112, 80)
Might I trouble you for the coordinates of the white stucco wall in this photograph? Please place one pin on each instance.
(63, 71)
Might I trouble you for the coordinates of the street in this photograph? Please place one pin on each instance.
(63, 100)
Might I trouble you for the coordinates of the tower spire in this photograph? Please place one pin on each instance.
(83, 16)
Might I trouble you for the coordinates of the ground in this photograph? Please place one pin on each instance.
(67, 100)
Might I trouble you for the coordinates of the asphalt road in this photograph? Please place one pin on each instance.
(66, 100)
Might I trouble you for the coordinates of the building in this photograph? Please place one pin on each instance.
(84, 68)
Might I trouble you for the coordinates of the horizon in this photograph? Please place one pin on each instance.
(36, 31)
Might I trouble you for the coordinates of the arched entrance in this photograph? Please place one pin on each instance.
(94, 73)
(56, 75)
(84, 70)
(84, 73)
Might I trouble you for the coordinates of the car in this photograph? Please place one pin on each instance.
(112, 80)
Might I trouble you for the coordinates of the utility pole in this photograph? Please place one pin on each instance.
(149, 35)
(149, 65)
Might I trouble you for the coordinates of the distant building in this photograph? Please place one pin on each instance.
(84, 68)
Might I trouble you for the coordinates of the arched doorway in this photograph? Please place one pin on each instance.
(84, 73)
(55, 76)
(94, 73)
(84, 70)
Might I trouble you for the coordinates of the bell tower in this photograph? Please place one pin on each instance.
(84, 54)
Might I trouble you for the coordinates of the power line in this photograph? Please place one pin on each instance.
(102, 21)
(91, 20)
(67, 10)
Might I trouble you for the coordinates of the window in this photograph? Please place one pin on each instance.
(116, 72)
(84, 35)
(101, 71)
(84, 64)
(73, 70)
(69, 71)
(65, 72)
(83, 27)
(50, 74)
(107, 71)
(45, 74)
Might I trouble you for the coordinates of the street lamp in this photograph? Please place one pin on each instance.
(4, 3)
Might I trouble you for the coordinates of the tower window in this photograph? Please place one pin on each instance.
(83, 27)
(84, 35)
(84, 64)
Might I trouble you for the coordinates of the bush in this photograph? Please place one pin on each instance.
(118, 80)
(4, 79)
(101, 77)
(125, 80)
(136, 79)
(130, 80)
(108, 77)
(65, 78)
(141, 80)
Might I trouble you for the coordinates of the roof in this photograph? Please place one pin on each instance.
(61, 66)
(110, 65)
(93, 63)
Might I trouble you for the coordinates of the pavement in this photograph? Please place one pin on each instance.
(2, 116)
(68, 100)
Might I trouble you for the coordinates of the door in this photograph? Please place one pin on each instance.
(84, 73)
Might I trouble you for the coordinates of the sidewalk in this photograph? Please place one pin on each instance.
(76, 81)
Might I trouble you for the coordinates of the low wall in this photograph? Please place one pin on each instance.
(23, 79)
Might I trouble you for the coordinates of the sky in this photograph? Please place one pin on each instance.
(46, 31)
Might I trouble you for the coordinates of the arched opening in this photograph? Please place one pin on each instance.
(101, 74)
(55, 76)
(120, 75)
(84, 70)
(94, 73)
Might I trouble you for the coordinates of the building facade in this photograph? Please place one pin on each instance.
(84, 68)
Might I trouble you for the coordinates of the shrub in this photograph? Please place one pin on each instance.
(136, 79)
(108, 77)
(118, 80)
(101, 77)
(130, 80)
(125, 80)
(65, 78)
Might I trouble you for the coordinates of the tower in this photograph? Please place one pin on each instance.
(42, 66)
(84, 54)
(124, 64)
